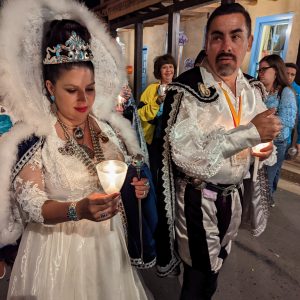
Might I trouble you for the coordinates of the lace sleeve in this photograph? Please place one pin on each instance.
(200, 148)
(28, 188)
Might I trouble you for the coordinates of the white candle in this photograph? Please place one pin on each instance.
(111, 174)
(120, 102)
(256, 149)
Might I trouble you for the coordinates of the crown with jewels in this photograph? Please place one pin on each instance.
(74, 50)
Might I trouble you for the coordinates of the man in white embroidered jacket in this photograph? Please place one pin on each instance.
(211, 120)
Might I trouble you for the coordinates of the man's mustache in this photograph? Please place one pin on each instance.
(226, 55)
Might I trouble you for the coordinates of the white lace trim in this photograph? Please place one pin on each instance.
(271, 160)
(169, 188)
(187, 90)
(139, 264)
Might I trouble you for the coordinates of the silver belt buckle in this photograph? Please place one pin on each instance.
(198, 183)
(227, 191)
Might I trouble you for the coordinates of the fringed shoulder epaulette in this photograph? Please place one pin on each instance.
(192, 82)
(26, 150)
(256, 84)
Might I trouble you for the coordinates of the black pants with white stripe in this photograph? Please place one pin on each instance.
(199, 281)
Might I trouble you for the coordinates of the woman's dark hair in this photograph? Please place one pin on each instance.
(59, 32)
(228, 9)
(159, 61)
(276, 62)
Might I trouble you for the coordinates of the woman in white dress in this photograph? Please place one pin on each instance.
(67, 249)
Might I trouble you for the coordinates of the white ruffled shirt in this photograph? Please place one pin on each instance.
(204, 140)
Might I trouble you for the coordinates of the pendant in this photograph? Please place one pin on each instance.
(78, 133)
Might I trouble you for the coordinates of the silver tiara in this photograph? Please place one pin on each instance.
(74, 50)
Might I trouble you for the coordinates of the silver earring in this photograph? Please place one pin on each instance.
(52, 97)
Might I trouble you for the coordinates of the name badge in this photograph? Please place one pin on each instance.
(240, 158)
(208, 194)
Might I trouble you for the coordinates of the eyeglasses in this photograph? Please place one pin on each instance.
(263, 70)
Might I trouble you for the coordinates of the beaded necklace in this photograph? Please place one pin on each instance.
(82, 151)
(78, 132)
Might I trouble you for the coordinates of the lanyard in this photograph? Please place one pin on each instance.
(236, 116)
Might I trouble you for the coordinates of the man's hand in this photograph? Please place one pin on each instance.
(264, 152)
(267, 125)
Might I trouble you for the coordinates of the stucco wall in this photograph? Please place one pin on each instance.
(270, 7)
(155, 37)
(194, 30)
(127, 37)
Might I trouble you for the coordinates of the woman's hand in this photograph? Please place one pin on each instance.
(98, 207)
(141, 187)
(160, 99)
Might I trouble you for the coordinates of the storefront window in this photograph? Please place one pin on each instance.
(271, 37)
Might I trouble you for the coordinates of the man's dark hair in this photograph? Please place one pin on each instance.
(159, 61)
(228, 9)
(200, 57)
(292, 65)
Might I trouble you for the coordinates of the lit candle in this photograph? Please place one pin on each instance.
(256, 149)
(111, 174)
(162, 89)
(120, 102)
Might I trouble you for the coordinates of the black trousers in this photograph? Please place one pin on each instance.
(154, 159)
(198, 285)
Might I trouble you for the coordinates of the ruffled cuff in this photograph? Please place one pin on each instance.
(271, 160)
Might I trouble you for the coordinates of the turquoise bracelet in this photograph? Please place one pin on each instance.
(72, 214)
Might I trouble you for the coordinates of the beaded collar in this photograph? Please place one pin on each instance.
(87, 156)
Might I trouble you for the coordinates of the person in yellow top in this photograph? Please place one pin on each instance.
(151, 105)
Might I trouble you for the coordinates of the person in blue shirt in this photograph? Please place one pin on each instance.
(272, 73)
(292, 70)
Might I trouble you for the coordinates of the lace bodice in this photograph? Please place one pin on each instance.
(52, 175)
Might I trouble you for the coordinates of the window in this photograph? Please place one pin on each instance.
(271, 36)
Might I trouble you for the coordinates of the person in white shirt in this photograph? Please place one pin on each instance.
(211, 120)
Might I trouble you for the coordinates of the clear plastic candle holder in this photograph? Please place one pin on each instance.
(111, 175)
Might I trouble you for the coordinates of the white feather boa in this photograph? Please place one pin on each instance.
(22, 88)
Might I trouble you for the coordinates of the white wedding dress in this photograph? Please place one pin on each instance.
(70, 260)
